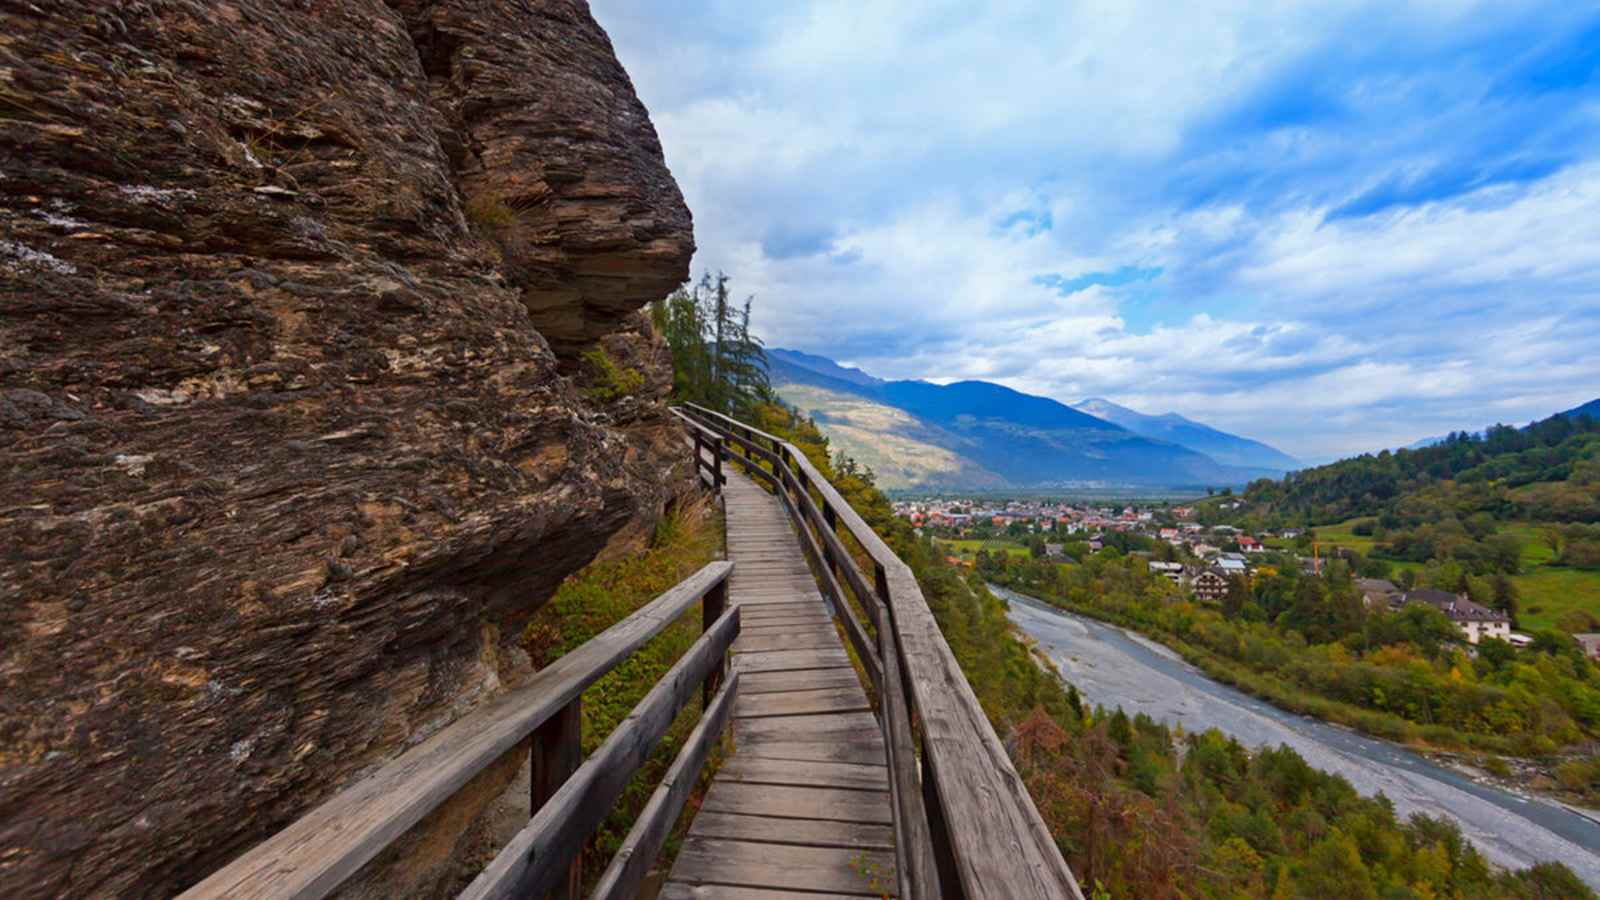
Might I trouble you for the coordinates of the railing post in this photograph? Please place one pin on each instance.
(557, 753)
(712, 608)
(883, 619)
(720, 450)
(831, 518)
(939, 833)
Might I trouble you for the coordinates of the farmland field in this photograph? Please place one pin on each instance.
(969, 548)
(1547, 591)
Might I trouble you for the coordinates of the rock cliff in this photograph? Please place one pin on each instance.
(293, 430)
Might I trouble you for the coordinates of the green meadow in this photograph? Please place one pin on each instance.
(1547, 591)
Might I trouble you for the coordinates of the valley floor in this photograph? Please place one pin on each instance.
(1114, 667)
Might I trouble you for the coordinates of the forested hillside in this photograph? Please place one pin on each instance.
(1546, 472)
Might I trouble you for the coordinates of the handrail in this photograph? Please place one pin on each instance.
(313, 856)
(971, 830)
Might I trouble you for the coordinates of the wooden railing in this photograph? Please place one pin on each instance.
(315, 855)
(964, 823)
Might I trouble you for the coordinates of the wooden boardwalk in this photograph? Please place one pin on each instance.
(802, 805)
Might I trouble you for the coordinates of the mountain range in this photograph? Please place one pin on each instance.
(1225, 448)
(978, 435)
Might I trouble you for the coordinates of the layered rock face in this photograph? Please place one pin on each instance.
(292, 433)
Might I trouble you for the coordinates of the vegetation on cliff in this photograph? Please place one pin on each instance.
(601, 595)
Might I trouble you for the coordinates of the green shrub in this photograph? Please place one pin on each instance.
(490, 212)
(609, 381)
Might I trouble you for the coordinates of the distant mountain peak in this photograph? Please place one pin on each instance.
(1229, 449)
(824, 366)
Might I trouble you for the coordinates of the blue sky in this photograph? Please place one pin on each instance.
(1334, 227)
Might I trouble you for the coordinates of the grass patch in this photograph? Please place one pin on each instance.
(491, 212)
(601, 595)
(966, 547)
(609, 381)
(1549, 591)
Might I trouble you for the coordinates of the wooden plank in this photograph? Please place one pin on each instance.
(796, 802)
(785, 660)
(773, 624)
(838, 869)
(313, 856)
(864, 751)
(789, 597)
(804, 680)
(832, 726)
(794, 607)
(798, 703)
(811, 639)
(805, 832)
(538, 855)
(674, 890)
(756, 770)
(639, 849)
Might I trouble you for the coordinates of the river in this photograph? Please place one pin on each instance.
(1115, 667)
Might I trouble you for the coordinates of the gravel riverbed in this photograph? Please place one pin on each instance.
(1115, 667)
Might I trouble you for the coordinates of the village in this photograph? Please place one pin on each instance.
(1202, 559)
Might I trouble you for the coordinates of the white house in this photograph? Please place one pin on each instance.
(1476, 622)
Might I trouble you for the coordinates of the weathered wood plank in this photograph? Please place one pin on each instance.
(796, 802)
(773, 625)
(799, 703)
(865, 751)
(791, 640)
(805, 832)
(318, 852)
(782, 660)
(538, 855)
(804, 680)
(813, 610)
(756, 770)
(832, 726)
(649, 833)
(838, 869)
(674, 890)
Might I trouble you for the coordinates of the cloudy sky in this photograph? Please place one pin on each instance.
(1331, 226)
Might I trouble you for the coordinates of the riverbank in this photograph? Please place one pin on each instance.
(1114, 667)
(1297, 698)
(1490, 759)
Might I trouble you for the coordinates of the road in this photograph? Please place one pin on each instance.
(1115, 667)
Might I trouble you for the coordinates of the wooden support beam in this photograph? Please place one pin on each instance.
(557, 753)
(649, 833)
(537, 859)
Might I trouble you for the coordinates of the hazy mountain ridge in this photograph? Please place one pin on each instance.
(1225, 448)
(977, 434)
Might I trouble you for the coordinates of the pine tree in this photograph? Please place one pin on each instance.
(717, 362)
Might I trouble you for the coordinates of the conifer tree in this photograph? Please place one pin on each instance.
(717, 362)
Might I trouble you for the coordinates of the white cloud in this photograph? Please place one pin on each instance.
(897, 140)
